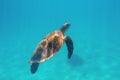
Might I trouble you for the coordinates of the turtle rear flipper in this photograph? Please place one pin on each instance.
(70, 46)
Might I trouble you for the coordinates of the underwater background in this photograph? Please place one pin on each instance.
(95, 31)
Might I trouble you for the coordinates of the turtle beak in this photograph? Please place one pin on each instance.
(67, 24)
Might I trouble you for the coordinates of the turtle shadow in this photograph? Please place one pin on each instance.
(75, 61)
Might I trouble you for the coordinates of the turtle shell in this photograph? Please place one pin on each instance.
(48, 47)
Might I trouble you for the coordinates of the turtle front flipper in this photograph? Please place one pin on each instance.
(39, 52)
(37, 56)
(34, 67)
(70, 46)
(35, 59)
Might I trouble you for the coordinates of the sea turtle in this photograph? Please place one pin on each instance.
(50, 45)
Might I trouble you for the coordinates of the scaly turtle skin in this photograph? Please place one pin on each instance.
(50, 45)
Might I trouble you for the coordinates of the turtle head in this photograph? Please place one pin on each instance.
(65, 27)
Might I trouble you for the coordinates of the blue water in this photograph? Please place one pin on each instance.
(95, 31)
